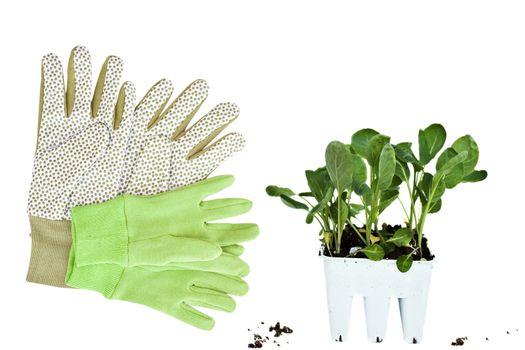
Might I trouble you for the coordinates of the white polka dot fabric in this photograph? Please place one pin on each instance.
(168, 154)
(84, 159)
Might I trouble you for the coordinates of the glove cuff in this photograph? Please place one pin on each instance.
(102, 278)
(50, 245)
(100, 233)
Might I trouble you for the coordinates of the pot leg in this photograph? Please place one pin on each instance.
(412, 312)
(339, 310)
(376, 310)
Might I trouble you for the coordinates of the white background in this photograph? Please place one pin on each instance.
(303, 73)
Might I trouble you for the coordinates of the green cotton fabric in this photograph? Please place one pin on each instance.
(168, 229)
(174, 292)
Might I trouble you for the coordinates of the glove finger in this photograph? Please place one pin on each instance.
(222, 283)
(203, 163)
(151, 105)
(208, 127)
(168, 249)
(207, 160)
(234, 249)
(78, 94)
(217, 209)
(231, 234)
(210, 299)
(227, 264)
(52, 102)
(106, 90)
(179, 114)
(192, 316)
(124, 107)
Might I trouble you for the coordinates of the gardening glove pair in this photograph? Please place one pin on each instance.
(149, 237)
(89, 160)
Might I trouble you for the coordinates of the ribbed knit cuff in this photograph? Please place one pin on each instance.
(51, 242)
(100, 233)
(102, 278)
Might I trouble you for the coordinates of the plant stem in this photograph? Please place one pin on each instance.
(306, 200)
(404, 209)
(357, 231)
(367, 225)
(339, 230)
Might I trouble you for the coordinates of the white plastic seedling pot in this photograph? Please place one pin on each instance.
(376, 282)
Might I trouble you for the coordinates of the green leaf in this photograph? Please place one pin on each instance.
(439, 190)
(450, 164)
(426, 186)
(404, 153)
(362, 189)
(402, 237)
(476, 176)
(435, 206)
(309, 218)
(339, 165)
(375, 147)
(292, 203)
(373, 252)
(466, 143)
(387, 166)
(404, 262)
(388, 247)
(386, 199)
(318, 181)
(335, 212)
(422, 195)
(431, 140)
(306, 194)
(355, 209)
(276, 191)
(396, 181)
(402, 171)
(324, 201)
(455, 175)
(360, 173)
(360, 141)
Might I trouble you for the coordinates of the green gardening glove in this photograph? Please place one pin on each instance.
(170, 228)
(174, 292)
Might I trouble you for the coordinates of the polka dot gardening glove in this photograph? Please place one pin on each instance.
(74, 131)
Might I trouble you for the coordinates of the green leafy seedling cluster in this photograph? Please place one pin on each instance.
(363, 178)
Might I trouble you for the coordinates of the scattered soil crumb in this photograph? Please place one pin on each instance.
(459, 341)
(259, 340)
(280, 330)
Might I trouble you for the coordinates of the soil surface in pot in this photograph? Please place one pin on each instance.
(351, 240)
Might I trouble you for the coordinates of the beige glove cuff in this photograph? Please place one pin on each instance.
(51, 242)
